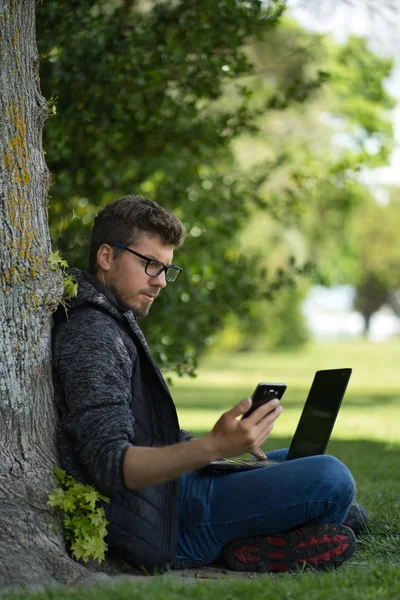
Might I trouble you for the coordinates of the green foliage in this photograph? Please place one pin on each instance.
(376, 232)
(377, 253)
(314, 193)
(141, 108)
(152, 101)
(84, 521)
(70, 287)
(363, 100)
(276, 322)
(56, 262)
(342, 128)
(70, 284)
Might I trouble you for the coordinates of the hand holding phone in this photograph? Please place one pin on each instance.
(263, 393)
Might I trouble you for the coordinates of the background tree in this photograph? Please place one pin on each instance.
(152, 102)
(309, 202)
(377, 252)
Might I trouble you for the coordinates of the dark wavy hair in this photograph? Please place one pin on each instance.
(125, 219)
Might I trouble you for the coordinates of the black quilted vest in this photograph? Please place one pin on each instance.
(143, 524)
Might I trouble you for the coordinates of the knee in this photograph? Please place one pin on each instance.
(336, 478)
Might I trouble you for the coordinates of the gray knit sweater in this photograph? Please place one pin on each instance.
(93, 362)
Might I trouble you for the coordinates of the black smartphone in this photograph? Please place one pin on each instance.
(263, 393)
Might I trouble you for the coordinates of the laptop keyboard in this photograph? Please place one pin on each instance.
(245, 462)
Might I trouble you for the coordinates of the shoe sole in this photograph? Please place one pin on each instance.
(323, 547)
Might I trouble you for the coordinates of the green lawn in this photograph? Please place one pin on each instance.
(367, 412)
(366, 437)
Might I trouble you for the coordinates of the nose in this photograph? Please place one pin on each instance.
(160, 280)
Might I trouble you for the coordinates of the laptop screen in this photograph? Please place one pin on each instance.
(319, 413)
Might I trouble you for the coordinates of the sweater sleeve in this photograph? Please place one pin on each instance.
(94, 366)
(186, 436)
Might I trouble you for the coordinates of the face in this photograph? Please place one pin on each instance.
(125, 274)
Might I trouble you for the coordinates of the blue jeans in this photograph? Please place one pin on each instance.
(215, 509)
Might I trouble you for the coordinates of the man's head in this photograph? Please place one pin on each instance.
(142, 226)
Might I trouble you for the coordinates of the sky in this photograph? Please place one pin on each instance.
(348, 18)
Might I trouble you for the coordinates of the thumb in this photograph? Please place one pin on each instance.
(241, 408)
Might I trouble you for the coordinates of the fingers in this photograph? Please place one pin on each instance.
(259, 440)
(240, 409)
(258, 453)
(269, 408)
(263, 428)
(231, 436)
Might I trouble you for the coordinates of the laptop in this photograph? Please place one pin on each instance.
(315, 426)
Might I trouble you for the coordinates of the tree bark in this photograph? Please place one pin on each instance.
(31, 552)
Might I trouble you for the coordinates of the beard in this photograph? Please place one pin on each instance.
(138, 303)
(140, 306)
(140, 311)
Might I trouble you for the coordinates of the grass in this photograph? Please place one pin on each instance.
(365, 437)
(367, 412)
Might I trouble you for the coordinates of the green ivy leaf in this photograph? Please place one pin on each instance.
(69, 502)
(56, 261)
(85, 524)
(97, 517)
(70, 287)
(91, 499)
(60, 476)
(93, 548)
(78, 552)
(56, 498)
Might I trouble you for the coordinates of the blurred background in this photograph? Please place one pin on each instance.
(272, 130)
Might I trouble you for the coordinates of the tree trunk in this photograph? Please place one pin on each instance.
(367, 323)
(394, 302)
(31, 552)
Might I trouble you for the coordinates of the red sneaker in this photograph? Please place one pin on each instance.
(320, 547)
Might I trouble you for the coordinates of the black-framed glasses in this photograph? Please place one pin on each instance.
(154, 267)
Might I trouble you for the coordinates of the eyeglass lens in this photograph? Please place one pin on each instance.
(154, 268)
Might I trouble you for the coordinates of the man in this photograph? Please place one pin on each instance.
(119, 430)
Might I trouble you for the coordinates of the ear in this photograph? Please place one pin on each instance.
(104, 257)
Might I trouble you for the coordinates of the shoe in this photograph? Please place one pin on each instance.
(320, 547)
(356, 518)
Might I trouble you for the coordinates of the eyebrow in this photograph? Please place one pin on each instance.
(152, 257)
(155, 258)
